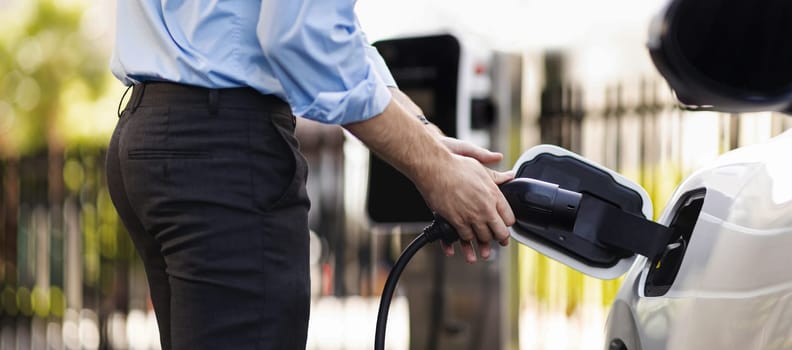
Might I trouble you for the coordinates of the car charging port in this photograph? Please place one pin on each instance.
(664, 269)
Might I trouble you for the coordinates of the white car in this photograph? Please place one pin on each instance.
(731, 287)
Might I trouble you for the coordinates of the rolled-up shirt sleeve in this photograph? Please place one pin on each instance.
(322, 60)
(376, 59)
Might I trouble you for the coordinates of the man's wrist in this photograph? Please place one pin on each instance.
(432, 127)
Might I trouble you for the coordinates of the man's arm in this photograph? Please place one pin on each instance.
(458, 188)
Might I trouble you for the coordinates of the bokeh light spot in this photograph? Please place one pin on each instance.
(73, 175)
(7, 117)
(57, 302)
(40, 302)
(30, 55)
(8, 300)
(28, 94)
(23, 301)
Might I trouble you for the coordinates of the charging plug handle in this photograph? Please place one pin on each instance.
(535, 203)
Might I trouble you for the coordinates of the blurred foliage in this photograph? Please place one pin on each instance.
(50, 59)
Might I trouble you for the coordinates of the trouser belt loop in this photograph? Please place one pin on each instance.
(121, 101)
(137, 96)
(213, 100)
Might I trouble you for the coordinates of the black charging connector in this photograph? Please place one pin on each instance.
(440, 229)
(542, 204)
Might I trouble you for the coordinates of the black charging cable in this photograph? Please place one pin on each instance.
(440, 229)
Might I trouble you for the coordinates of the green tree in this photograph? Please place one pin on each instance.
(39, 59)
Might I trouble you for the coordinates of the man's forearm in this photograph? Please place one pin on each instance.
(403, 141)
(413, 109)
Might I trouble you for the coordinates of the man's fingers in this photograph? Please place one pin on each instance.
(448, 249)
(467, 149)
(484, 250)
(501, 205)
(465, 233)
(467, 249)
(505, 212)
(499, 230)
(480, 154)
(483, 233)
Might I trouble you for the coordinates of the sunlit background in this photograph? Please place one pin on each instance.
(69, 276)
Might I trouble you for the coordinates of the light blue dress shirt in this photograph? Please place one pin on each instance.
(311, 53)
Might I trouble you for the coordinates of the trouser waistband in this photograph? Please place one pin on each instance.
(173, 94)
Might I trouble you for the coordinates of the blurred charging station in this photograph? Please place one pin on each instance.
(452, 85)
(474, 95)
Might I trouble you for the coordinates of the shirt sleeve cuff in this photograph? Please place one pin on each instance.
(382, 96)
(380, 66)
(363, 101)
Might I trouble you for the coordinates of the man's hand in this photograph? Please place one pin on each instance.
(468, 197)
(484, 156)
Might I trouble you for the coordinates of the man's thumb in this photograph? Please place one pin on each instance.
(501, 177)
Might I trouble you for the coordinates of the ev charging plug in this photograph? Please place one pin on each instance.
(535, 203)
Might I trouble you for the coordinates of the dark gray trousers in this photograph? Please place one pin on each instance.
(210, 185)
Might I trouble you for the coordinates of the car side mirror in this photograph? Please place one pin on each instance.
(726, 55)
